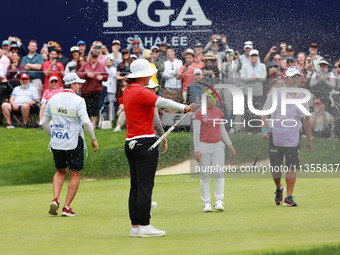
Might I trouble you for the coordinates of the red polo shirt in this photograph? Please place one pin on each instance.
(139, 106)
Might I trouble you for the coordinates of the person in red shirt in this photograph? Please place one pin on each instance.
(209, 152)
(139, 105)
(186, 72)
(94, 73)
(53, 68)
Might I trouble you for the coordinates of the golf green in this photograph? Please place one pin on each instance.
(251, 222)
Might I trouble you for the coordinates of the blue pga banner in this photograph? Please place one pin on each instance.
(179, 22)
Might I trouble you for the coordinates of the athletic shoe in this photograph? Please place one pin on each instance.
(219, 205)
(153, 205)
(289, 201)
(67, 212)
(9, 127)
(279, 195)
(207, 207)
(134, 232)
(150, 231)
(117, 129)
(54, 205)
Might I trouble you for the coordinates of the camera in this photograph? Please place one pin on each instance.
(309, 61)
(98, 47)
(14, 39)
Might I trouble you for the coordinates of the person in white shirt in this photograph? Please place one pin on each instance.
(172, 87)
(63, 119)
(71, 66)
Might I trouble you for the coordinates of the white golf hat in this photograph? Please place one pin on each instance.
(141, 68)
(229, 50)
(53, 78)
(74, 48)
(133, 56)
(198, 71)
(248, 44)
(109, 56)
(323, 61)
(151, 85)
(292, 71)
(155, 47)
(72, 78)
(253, 52)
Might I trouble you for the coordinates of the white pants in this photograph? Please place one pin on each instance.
(212, 155)
(111, 98)
(38, 85)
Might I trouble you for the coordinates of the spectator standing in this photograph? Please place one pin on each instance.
(5, 55)
(231, 68)
(53, 68)
(217, 45)
(23, 101)
(321, 120)
(80, 62)
(273, 78)
(290, 52)
(186, 72)
(53, 89)
(254, 74)
(322, 83)
(117, 56)
(60, 57)
(159, 65)
(172, 86)
(33, 63)
(94, 73)
(72, 65)
(121, 121)
(199, 56)
(123, 68)
(163, 49)
(195, 89)
(212, 69)
(82, 48)
(313, 53)
(248, 46)
(15, 70)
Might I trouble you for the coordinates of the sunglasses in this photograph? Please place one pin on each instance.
(125, 53)
(254, 55)
(54, 81)
(277, 58)
(155, 51)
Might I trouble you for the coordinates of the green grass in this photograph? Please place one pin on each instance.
(251, 223)
(25, 159)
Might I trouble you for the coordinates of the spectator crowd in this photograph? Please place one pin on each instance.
(29, 77)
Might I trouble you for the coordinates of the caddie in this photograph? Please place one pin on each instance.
(68, 113)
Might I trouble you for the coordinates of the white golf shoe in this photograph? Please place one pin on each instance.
(134, 232)
(207, 207)
(153, 205)
(150, 231)
(219, 205)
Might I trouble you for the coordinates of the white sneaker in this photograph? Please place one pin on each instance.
(219, 205)
(134, 232)
(150, 231)
(207, 207)
(117, 129)
(153, 205)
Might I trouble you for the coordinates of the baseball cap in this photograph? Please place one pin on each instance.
(164, 44)
(6, 42)
(316, 101)
(152, 85)
(188, 51)
(72, 78)
(53, 78)
(291, 58)
(314, 45)
(154, 47)
(115, 42)
(248, 44)
(24, 76)
(289, 47)
(141, 68)
(198, 44)
(109, 56)
(271, 64)
(14, 45)
(229, 50)
(292, 71)
(198, 71)
(74, 48)
(125, 50)
(94, 53)
(323, 61)
(209, 56)
(253, 52)
(215, 41)
(81, 42)
(133, 56)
